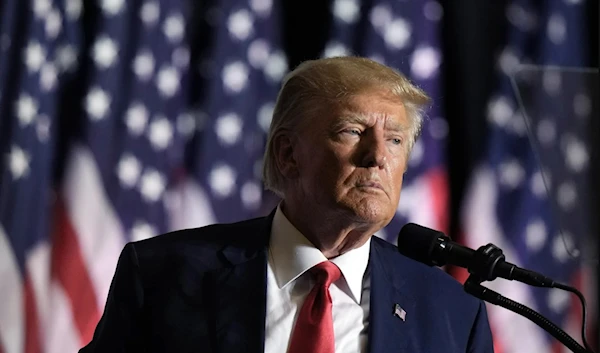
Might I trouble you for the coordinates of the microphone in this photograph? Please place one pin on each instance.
(434, 248)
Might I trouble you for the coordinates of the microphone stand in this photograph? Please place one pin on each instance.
(486, 258)
(472, 286)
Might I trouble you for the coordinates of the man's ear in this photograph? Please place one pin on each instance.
(283, 145)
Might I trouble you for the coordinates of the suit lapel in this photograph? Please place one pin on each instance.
(239, 293)
(388, 332)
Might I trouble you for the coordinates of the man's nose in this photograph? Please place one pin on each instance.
(374, 151)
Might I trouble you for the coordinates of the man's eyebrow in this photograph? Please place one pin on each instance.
(399, 127)
(362, 119)
(352, 118)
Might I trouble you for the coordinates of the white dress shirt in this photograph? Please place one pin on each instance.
(288, 283)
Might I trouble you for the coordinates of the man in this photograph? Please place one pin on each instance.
(310, 277)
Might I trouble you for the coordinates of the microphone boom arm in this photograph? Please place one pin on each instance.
(483, 268)
(472, 286)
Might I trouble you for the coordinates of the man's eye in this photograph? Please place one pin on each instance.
(397, 141)
(354, 132)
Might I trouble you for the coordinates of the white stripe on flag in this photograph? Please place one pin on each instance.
(418, 193)
(188, 206)
(515, 333)
(60, 334)
(99, 231)
(38, 268)
(12, 322)
(429, 192)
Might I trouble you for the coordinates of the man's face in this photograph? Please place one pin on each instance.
(351, 159)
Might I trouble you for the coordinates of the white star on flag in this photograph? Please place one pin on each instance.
(425, 62)
(167, 81)
(152, 185)
(346, 10)
(143, 65)
(240, 24)
(229, 128)
(173, 28)
(235, 76)
(160, 133)
(150, 12)
(97, 103)
(18, 162)
(397, 34)
(105, 52)
(35, 55)
(66, 58)
(136, 119)
(142, 230)
(112, 7)
(27, 109)
(222, 180)
(53, 24)
(128, 170)
(73, 9)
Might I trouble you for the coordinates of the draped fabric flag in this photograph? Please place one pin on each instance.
(405, 36)
(508, 203)
(243, 70)
(122, 122)
(120, 158)
(38, 55)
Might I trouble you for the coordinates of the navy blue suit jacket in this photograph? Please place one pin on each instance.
(204, 290)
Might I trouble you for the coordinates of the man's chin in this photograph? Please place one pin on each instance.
(372, 212)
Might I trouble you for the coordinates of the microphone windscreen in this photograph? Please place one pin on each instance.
(417, 242)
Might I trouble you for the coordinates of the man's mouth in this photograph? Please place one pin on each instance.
(370, 184)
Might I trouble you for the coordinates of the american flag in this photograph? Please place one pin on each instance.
(116, 128)
(404, 35)
(39, 45)
(243, 72)
(535, 209)
(401, 313)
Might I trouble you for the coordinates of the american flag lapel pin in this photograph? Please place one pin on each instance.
(398, 311)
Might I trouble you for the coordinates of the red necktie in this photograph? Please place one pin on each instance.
(313, 332)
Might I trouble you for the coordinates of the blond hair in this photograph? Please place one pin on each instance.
(317, 83)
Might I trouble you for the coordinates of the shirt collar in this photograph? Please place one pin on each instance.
(292, 254)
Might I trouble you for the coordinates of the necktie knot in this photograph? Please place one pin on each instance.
(326, 273)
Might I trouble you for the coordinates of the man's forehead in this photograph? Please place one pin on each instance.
(373, 101)
(372, 117)
(392, 113)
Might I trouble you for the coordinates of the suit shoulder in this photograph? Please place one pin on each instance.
(203, 241)
(194, 250)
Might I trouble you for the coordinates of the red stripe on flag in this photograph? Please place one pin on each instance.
(556, 346)
(32, 324)
(459, 273)
(68, 266)
(438, 182)
(576, 311)
(498, 347)
(580, 280)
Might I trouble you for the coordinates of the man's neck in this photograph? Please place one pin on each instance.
(332, 234)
